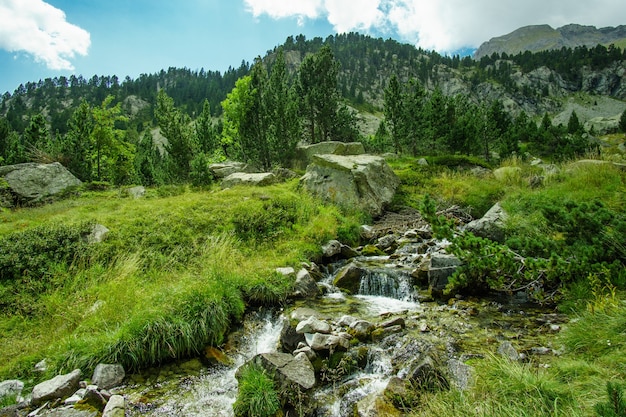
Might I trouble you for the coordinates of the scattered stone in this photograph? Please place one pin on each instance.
(319, 341)
(362, 329)
(41, 366)
(240, 178)
(98, 234)
(395, 321)
(136, 192)
(93, 398)
(305, 286)
(491, 225)
(60, 386)
(224, 169)
(387, 243)
(331, 248)
(427, 377)
(367, 232)
(507, 351)
(76, 397)
(313, 325)
(462, 374)
(349, 278)
(310, 354)
(286, 271)
(116, 407)
(288, 369)
(107, 376)
(348, 253)
(11, 388)
(346, 321)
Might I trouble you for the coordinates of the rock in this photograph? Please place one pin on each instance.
(491, 225)
(422, 162)
(41, 366)
(346, 321)
(107, 376)
(289, 338)
(319, 341)
(58, 387)
(362, 329)
(302, 313)
(241, 178)
(305, 153)
(224, 169)
(387, 243)
(305, 286)
(507, 174)
(32, 183)
(395, 321)
(67, 411)
(366, 232)
(349, 278)
(116, 407)
(215, 356)
(284, 174)
(286, 271)
(382, 332)
(98, 234)
(313, 325)
(347, 252)
(11, 388)
(331, 248)
(442, 266)
(310, 354)
(365, 182)
(507, 351)
(427, 377)
(76, 397)
(136, 192)
(288, 369)
(376, 405)
(94, 398)
(462, 374)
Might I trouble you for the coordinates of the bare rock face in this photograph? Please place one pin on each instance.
(32, 183)
(357, 181)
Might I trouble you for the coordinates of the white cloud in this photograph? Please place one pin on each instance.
(444, 25)
(41, 30)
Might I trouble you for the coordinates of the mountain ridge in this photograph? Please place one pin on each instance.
(536, 38)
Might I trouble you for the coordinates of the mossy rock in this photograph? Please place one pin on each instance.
(371, 250)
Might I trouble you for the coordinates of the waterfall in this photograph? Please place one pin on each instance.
(387, 283)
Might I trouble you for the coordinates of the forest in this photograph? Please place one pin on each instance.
(167, 127)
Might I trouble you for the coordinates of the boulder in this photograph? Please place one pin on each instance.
(288, 369)
(107, 376)
(58, 387)
(349, 278)
(462, 375)
(224, 169)
(98, 234)
(331, 248)
(427, 377)
(442, 266)
(286, 271)
(241, 178)
(289, 338)
(305, 153)
(491, 225)
(116, 407)
(304, 286)
(319, 341)
(32, 183)
(362, 329)
(313, 325)
(11, 388)
(365, 182)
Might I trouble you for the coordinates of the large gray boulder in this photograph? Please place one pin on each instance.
(224, 169)
(491, 225)
(305, 153)
(31, 183)
(11, 388)
(60, 386)
(288, 369)
(107, 376)
(241, 178)
(365, 182)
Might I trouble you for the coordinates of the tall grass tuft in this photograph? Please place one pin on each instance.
(257, 396)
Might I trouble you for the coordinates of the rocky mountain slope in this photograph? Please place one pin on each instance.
(543, 37)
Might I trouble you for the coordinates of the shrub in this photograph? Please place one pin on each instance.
(257, 396)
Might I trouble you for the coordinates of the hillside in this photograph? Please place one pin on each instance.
(543, 37)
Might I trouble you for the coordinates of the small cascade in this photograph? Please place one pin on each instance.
(215, 390)
(388, 283)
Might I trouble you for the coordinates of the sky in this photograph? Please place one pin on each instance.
(51, 38)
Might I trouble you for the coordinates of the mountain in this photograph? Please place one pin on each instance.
(543, 37)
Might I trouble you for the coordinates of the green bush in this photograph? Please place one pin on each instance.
(257, 396)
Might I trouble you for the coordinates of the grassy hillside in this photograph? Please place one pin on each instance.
(177, 269)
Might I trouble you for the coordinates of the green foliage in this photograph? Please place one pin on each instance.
(442, 227)
(265, 219)
(257, 396)
(616, 404)
(200, 175)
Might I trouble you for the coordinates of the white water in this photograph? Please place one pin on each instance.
(213, 393)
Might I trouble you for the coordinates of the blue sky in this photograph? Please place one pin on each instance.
(40, 39)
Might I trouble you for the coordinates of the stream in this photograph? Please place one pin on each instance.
(457, 330)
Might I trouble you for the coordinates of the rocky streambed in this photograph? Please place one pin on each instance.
(368, 345)
(362, 336)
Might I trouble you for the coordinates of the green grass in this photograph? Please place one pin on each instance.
(257, 396)
(176, 271)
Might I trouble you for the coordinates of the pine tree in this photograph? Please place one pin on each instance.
(76, 146)
(394, 112)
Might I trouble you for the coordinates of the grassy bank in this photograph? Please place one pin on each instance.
(176, 270)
